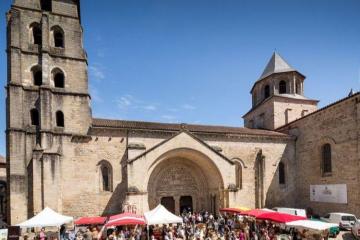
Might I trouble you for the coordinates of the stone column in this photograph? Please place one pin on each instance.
(177, 204)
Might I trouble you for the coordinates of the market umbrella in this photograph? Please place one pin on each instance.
(279, 217)
(256, 212)
(311, 224)
(126, 219)
(90, 221)
(231, 210)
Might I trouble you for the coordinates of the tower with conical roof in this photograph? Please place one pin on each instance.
(278, 96)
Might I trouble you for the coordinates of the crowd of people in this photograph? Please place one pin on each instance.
(199, 226)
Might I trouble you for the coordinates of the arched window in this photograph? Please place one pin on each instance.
(282, 87)
(326, 158)
(60, 119)
(35, 29)
(59, 79)
(58, 37)
(37, 75)
(238, 175)
(105, 176)
(35, 118)
(281, 173)
(266, 91)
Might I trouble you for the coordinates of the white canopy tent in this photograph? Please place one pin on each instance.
(160, 215)
(311, 225)
(46, 218)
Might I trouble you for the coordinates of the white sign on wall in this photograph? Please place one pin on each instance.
(329, 193)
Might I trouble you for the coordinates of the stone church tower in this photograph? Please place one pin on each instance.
(278, 96)
(47, 99)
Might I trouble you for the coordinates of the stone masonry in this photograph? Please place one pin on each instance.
(59, 155)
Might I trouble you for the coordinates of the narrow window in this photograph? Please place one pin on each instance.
(34, 115)
(37, 76)
(59, 80)
(298, 88)
(36, 33)
(105, 178)
(105, 175)
(282, 87)
(326, 158)
(267, 91)
(46, 5)
(238, 170)
(281, 173)
(60, 119)
(254, 98)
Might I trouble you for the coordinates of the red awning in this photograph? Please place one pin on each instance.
(231, 210)
(90, 221)
(254, 212)
(279, 217)
(126, 219)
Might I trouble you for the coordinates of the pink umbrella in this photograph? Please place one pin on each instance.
(254, 212)
(279, 217)
(90, 221)
(126, 219)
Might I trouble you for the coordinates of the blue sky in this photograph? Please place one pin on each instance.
(196, 61)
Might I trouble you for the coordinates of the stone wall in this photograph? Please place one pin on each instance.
(337, 125)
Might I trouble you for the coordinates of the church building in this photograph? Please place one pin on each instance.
(60, 156)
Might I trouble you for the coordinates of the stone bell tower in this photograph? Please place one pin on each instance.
(278, 96)
(47, 100)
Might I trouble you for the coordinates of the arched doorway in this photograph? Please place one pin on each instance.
(186, 204)
(168, 203)
(192, 181)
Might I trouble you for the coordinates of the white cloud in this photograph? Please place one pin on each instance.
(188, 107)
(150, 107)
(125, 102)
(96, 72)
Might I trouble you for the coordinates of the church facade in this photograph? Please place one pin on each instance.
(60, 156)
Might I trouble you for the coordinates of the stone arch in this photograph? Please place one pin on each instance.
(282, 87)
(35, 33)
(185, 172)
(36, 75)
(58, 77)
(239, 168)
(57, 37)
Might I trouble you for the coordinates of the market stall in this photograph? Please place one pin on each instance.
(46, 218)
(160, 215)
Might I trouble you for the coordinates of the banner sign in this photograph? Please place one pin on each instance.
(329, 193)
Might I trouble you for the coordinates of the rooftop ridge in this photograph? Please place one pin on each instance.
(319, 110)
(142, 125)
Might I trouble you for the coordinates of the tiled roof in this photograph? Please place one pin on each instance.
(276, 64)
(138, 125)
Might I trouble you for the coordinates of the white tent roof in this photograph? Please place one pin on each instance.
(160, 215)
(311, 224)
(46, 218)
